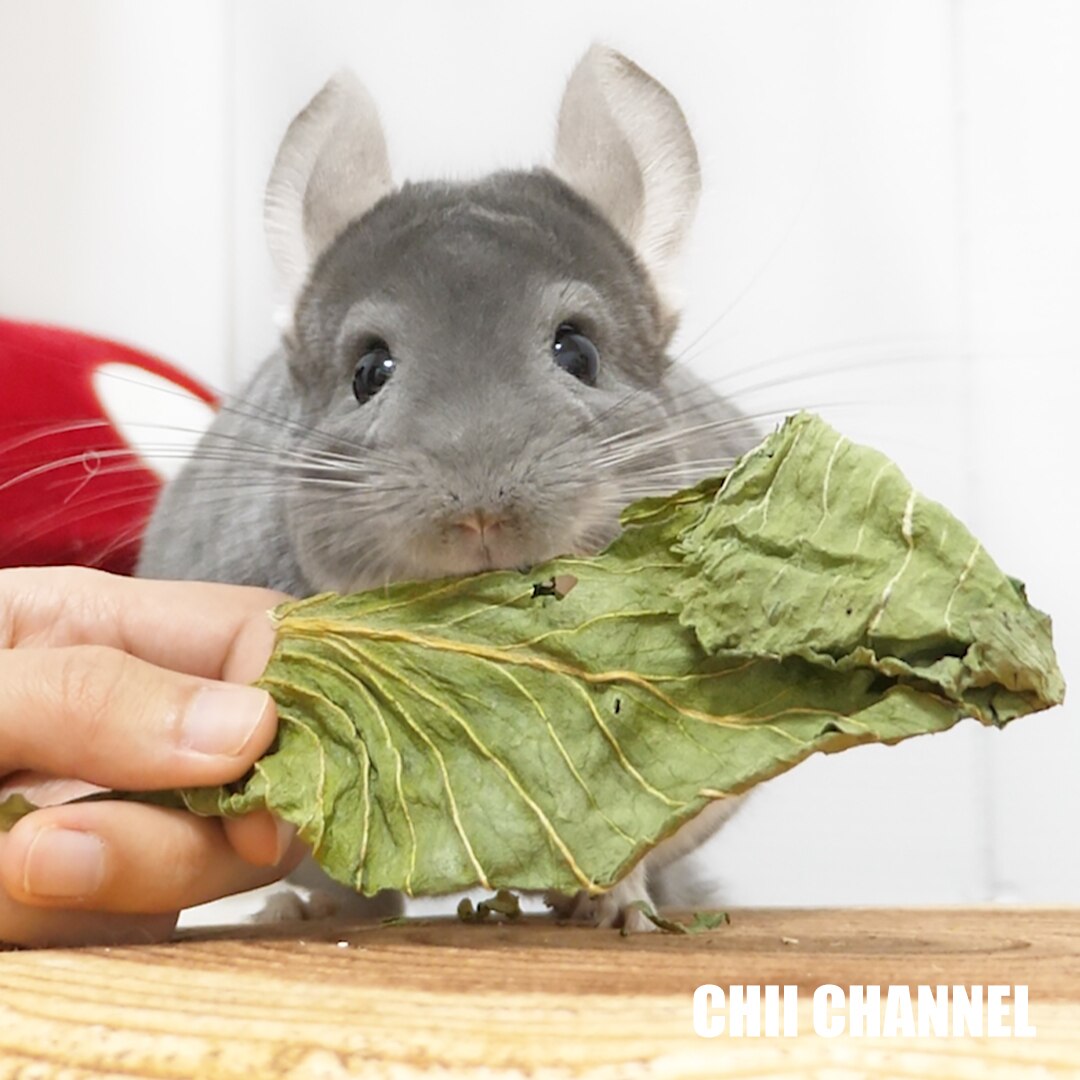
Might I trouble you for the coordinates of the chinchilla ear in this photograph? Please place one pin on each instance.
(331, 168)
(624, 144)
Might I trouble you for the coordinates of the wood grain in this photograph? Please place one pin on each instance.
(442, 999)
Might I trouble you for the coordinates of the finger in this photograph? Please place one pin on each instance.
(101, 715)
(259, 838)
(215, 631)
(36, 927)
(125, 857)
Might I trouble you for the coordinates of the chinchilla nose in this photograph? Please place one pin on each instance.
(479, 522)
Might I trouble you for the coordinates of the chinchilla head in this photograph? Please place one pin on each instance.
(479, 369)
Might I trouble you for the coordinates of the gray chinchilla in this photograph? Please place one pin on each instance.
(472, 376)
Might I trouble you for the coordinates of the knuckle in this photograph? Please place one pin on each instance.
(94, 685)
(33, 599)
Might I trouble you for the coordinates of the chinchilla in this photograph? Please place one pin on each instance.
(471, 375)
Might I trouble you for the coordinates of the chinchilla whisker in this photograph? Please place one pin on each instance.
(226, 403)
(268, 463)
(689, 405)
(368, 488)
(687, 401)
(141, 491)
(373, 563)
(232, 403)
(766, 264)
(638, 398)
(38, 525)
(861, 365)
(38, 434)
(636, 448)
(240, 454)
(91, 460)
(630, 443)
(640, 405)
(266, 467)
(632, 435)
(642, 450)
(316, 456)
(229, 481)
(337, 483)
(841, 345)
(720, 461)
(218, 437)
(593, 539)
(231, 448)
(627, 445)
(122, 539)
(647, 491)
(279, 420)
(384, 499)
(677, 471)
(224, 484)
(158, 450)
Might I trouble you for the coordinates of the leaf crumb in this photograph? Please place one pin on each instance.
(698, 924)
(504, 903)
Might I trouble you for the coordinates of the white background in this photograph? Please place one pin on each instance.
(889, 233)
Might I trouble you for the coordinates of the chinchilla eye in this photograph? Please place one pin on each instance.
(575, 353)
(373, 372)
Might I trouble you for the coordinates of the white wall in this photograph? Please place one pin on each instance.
(115, 207)
(890, 233)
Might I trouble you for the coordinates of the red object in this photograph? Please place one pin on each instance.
(72, 489)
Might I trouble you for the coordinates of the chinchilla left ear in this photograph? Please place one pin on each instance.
(331, 168)
(624, 144)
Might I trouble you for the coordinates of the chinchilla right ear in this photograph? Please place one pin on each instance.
(624, 144)
(331, 168)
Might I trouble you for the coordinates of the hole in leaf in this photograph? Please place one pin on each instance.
(618, 705)
(556, 586)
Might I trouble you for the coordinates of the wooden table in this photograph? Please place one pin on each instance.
(442, 999)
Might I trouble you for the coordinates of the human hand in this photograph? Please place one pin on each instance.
(131, 685)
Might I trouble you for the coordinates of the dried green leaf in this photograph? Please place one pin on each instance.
(701, 921)
(12, 808)
(504, 903)
(821, 549)
(707, 920)
(669, 926)
(545, 730)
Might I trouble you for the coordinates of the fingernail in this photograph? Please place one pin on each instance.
(221, 720)
(64, 863)
(286, 834)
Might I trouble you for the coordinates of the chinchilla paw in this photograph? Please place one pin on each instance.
(291, 906)
(618, 907)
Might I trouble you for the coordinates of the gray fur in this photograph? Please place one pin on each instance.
(467, 282)
(298, 487)
(624, 143)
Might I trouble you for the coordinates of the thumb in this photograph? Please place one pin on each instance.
(98, 714)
